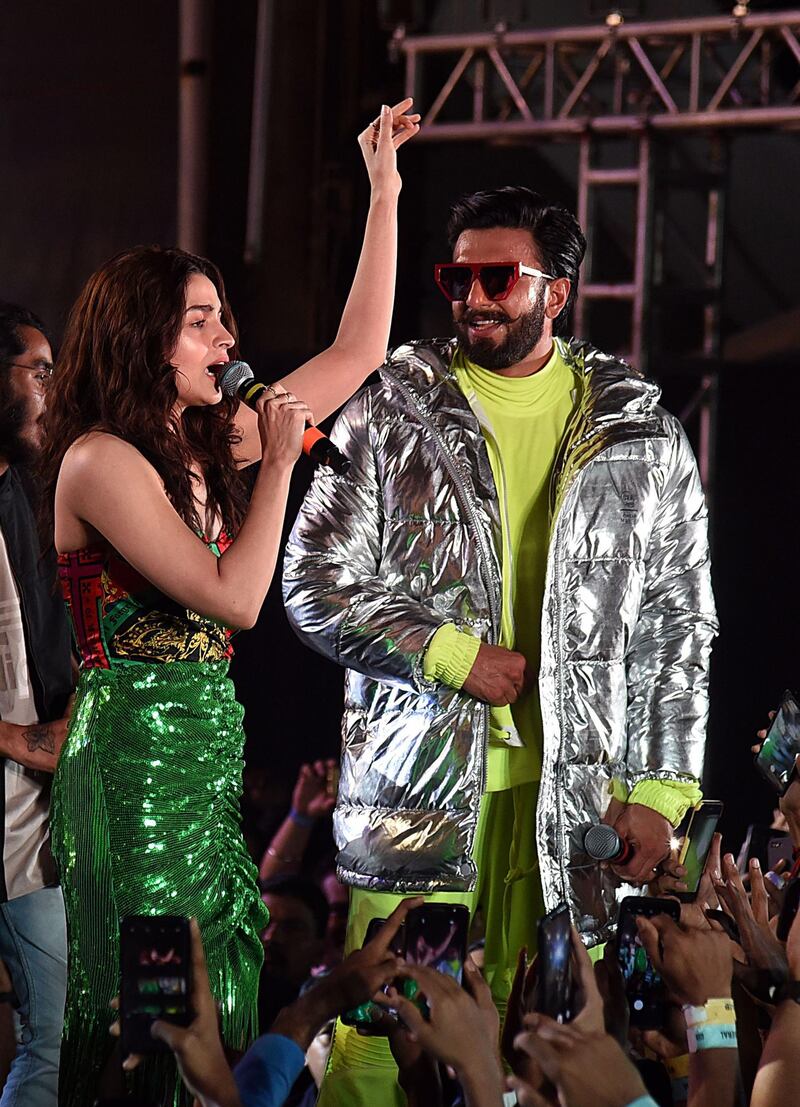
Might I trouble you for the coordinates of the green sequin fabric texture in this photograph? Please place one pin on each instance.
(145, 821)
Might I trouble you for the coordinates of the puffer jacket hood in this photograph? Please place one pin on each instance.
(379, 559)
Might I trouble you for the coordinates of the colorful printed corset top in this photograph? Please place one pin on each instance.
(119, 617)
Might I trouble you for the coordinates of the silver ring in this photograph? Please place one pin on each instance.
(269, 388)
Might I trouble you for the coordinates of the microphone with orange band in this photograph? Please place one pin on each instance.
(237, 379)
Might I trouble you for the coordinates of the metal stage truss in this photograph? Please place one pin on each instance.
(647, 82)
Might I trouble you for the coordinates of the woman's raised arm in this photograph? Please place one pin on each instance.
(333, 375)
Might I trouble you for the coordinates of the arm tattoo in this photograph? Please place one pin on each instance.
(40, 737)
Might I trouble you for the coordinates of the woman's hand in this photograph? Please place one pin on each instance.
(380, 141)
(282, 420)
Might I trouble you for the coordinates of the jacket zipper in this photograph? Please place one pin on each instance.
(455, 475)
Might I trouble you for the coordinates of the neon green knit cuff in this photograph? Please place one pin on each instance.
(618, 790)
(670, 798)
(450, 655)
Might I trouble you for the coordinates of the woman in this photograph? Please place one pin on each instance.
(160, 555)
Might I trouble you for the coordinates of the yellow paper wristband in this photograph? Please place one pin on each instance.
(678, 1067)
(715, 1012)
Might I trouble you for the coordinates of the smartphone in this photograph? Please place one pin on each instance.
(436, 935)
(779, 848)
(366, 1014)
(696, 844)
(554, 993)
(776, 759)
(155, 961)
(791, 901)
(643, 985)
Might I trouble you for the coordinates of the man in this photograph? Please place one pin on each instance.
(35, 683)
(294, 941)
(515, 574)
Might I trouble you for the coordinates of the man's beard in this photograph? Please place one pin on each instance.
(16, 442)
(522, 334)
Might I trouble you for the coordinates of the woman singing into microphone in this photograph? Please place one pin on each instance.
(161, 557)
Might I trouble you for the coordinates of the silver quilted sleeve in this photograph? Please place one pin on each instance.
(669, 654)
(336, 599)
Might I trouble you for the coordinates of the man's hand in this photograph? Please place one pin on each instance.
(366, 970)
(353, 982)
(588, 1068)
(697, 965)
(482, 994)
(35, 745)
(789, 802)
(518, 1003)
(498, 676)
(649, 833)
(197, 1047)
(759, 944)
(456, 1032)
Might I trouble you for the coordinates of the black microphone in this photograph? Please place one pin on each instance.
(602, 843)
(237, 379)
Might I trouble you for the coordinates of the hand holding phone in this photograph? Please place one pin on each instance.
(696, 836)
(696, 964)
(555, 991)
(155, 961)
(778, 754)
(644, 986)
(368, 1014)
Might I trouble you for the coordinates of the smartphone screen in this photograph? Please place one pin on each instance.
(155, 956)
(776, 759)
(436, 935)
(696, 843)
(643, 984)
(555, 988)
(791, 901)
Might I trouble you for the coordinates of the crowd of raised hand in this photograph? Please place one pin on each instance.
(729, 1036)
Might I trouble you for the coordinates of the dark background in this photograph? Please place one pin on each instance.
(88, 132)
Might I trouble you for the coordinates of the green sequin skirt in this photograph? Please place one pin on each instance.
(145, 820)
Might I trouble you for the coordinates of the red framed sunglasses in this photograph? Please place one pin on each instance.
(497, 279)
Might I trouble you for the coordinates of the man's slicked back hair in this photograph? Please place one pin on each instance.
(556, 232)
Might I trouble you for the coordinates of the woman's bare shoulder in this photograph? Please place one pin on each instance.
(100, 448)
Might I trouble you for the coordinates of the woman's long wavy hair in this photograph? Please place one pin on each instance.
(113, 374)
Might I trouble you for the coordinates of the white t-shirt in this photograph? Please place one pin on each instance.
(27, 861)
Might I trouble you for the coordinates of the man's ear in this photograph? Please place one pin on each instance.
(558, 297)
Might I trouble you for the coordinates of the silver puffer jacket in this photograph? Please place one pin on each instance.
(379, 559)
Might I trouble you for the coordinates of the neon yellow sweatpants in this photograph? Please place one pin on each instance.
(361, 1071)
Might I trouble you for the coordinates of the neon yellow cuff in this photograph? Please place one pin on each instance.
(618, 790)
(670, 798)
(450, 655)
